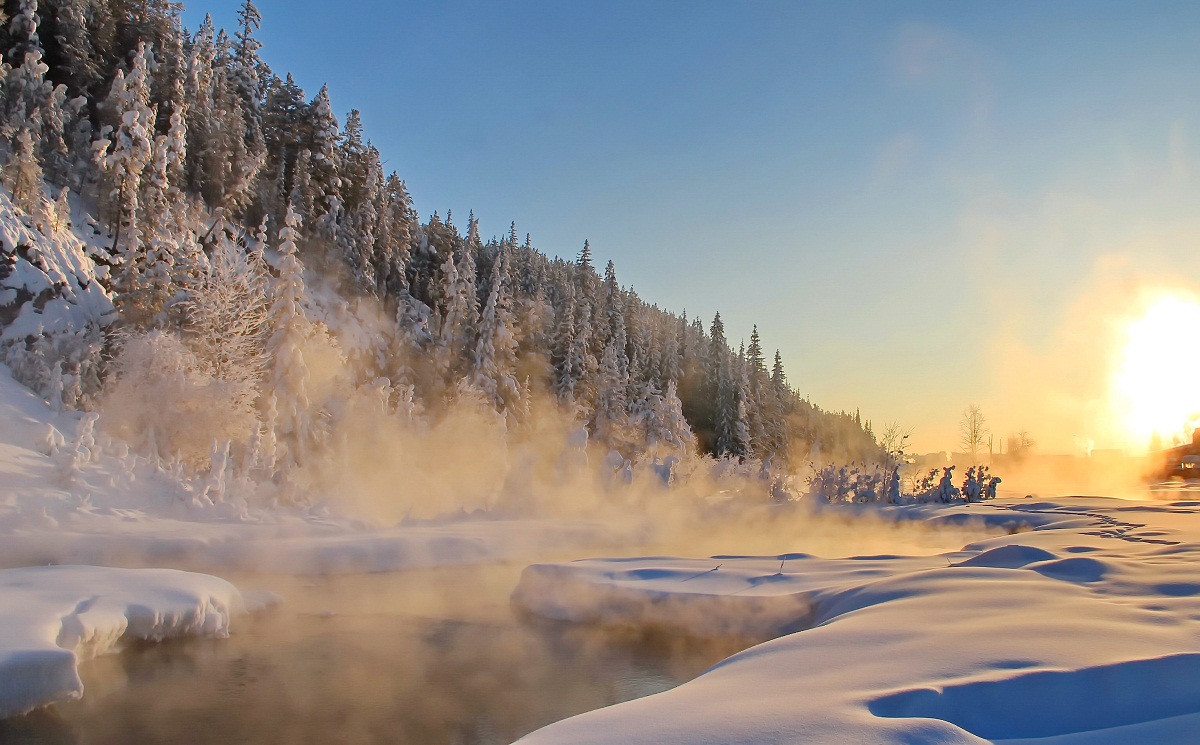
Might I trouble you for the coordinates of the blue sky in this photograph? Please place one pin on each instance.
(923, 205)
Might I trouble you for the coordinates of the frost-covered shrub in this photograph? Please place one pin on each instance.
(226, 315)
(935, 487)
(980, 484)
(850, 483)
(164, 401)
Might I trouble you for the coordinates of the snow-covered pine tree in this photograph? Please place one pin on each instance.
(80, 60)
(611, 413)
(757, 393)
(292, 425)
(324, 166)
(457, 301)
(393, 241)
(662, 423)
(730, 426)
(245, 67)
(122, 154)
(23, 31)
(23, 172)
(495, 359)
(567, 356)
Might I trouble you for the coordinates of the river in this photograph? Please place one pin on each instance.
(419, 657)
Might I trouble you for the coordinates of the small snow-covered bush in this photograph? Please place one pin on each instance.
(63, 368)
(163, 401)
(849, 483)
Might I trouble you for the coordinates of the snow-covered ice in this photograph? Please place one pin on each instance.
(1085, 629)
(53, 617)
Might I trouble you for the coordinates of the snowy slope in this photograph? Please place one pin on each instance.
(48, 278)
(1084, 630)
(53, 617)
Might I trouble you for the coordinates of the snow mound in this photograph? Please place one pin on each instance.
(1014, 556)
(54, 617)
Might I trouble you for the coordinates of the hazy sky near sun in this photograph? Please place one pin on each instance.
(922, 204)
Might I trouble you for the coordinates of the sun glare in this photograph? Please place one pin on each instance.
(1155, 383)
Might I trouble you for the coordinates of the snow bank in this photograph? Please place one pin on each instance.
(1083, 630)
(53, 617)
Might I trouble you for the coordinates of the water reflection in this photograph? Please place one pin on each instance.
(418, 657)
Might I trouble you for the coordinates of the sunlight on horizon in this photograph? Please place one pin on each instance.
(1154, 384)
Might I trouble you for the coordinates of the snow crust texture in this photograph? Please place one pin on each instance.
(1086, 629)
(55, 616)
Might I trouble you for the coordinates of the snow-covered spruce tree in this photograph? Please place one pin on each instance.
(393, 239)
(610, 418)
(576, 384)
(23, 30)
(567, 358)
(284, 116)
(494, 369)
(586, 308)
(198, 79)
(290, 410)
(324, 168)
(32, 111)
(126, 142)
(234, 152)
(613, 329)
(716, 384)
(757, 393)
(23, 172)
(163, 179)
(731, 430)
(245, 67)
(122, 154)
(457, 303)
(658, 419)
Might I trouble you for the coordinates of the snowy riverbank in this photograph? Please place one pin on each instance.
(1082, 630)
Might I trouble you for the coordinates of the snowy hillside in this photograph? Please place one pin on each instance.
(67, 499)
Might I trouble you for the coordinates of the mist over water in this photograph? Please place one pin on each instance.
(430, 656)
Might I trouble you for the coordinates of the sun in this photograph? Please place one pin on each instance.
(1156, 383)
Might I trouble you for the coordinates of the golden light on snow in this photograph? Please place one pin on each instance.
(1156, 384)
